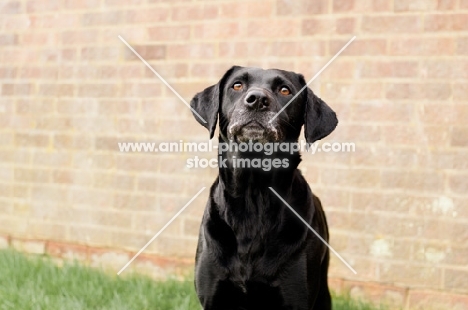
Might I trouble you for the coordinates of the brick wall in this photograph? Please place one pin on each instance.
(70, 90)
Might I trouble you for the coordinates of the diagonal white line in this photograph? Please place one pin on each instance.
(310, 227)
(160, 231)
(161, 78)
(312, 79)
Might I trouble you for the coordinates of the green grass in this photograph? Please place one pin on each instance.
(33, 283)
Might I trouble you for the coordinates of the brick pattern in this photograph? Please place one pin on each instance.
(70, 90)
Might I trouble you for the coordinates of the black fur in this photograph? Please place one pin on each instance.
(253, 252)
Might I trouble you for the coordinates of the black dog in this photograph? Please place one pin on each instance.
(253, 252)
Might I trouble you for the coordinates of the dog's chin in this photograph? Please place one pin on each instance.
(254, 134)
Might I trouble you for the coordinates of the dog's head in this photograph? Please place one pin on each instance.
(248, 99)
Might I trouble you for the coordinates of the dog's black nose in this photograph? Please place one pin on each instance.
(256, 100)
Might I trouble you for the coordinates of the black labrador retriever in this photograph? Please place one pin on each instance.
(253, 252)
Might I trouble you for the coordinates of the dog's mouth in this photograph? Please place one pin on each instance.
(253, 131)
(253, 125)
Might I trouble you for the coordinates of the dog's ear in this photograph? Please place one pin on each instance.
(320, 120)
(205, 107)
(206, 104)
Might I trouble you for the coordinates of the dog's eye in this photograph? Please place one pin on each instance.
(285, 91)
(237, 86)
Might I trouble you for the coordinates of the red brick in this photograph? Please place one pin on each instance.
(187, 91)
(456, 280)
(120, 3)
(191, 51)
(437, 113)
(458, 254)
(8, 73)
(17, 89)
(46, 73)
(446, 22)
(382, 112)
(169, 33)
(73, 142)
(149, 184)
(340, 70)
(363, 178)
(127, 126)
(446, 4)
(118, 106)
(52, 123)
(131, 71)
(382, 6)
(358, 133)
(138, 163)
(319, 26)
(460, 91)
(74, 106)
(376, 293)
(422, 46)
(459, 183)
(41, 6)
(287, 28)
(444, 69)
(57, 90)
(190, 13)
(286, 7)
(346, 25)
(207, 71)
(286, 49)
(47, 193)
(381, 69)
(148, 16)
(413, 134)
(68, 251)
(31, 140)
(38, 38)
(95, 198)
(141, 90)
(32, 175)
(62, 176)
(147, 52)
(100, 53)
(391, 24)
(429, 91)
(79, 4)
(343, 5)
(416, 5)
(422, 276)
(64, 20)
(27, 106)
(459, 137)
(361, 47)
(8, 39)
(52, 159)
(218, 31)
(168, 70)
(422, 300)
(11, 7)
(177, 247)
(78, 37)
(191, 228)
(136, 203)
(129, 34)
(98, 90)
(102, 18)
(350, 91)
(429, 181)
